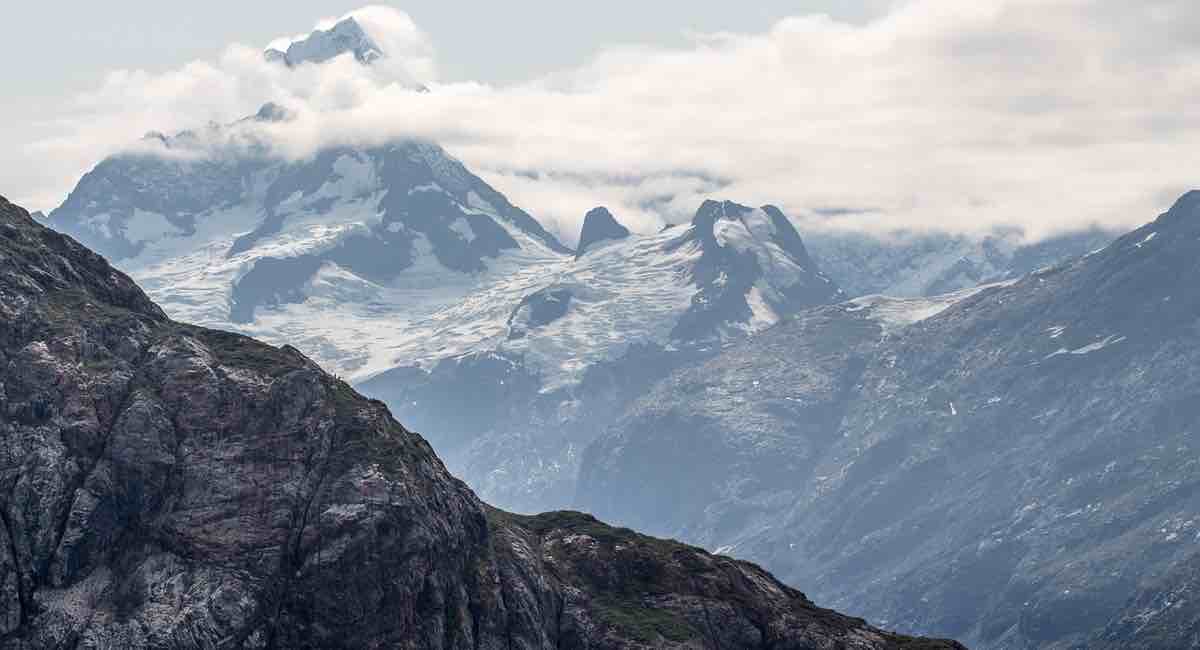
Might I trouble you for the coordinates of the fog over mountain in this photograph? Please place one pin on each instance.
(934, 115)
(880, 306)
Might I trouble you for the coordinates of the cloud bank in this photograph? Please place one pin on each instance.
(940, 114)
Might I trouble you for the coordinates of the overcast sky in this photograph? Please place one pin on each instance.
(71, 44)
(923, 113)
(64, 48)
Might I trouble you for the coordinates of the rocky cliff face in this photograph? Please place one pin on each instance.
(168, 486)
(1014, 466)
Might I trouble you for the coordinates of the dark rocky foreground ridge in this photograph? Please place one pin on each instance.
(1017, 471)
(168, 486)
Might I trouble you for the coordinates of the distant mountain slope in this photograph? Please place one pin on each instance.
(1015, 467)
(551, 353)
(911, 264)
(169, 486)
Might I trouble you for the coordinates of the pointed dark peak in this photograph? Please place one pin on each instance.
(599, 225)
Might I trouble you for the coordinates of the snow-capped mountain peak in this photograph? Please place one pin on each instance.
(324, 44)
(333, 252)
(752, 270)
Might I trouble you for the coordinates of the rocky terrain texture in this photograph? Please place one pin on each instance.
(599, 226)
(596, 335)
(168, 486)
(1018, 469)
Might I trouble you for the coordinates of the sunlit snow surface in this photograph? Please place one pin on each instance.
(624, 292)
(414, 310)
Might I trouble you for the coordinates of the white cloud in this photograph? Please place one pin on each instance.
(940, 114)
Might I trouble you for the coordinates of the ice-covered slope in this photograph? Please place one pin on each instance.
(733, 271)
(398, 256)
(549, 353)
(336, 253)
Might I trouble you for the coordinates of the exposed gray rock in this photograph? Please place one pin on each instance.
(168, 486)
(538, 309)
(599, 225)
(1018, 470)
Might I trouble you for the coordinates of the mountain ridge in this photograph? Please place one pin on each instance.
(172, 486)
(580, 342)
(1018, 460)
(398, 268)
(345, 36)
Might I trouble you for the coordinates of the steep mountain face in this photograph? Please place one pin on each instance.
(740, 428)
(1014, 466)
(164, 485)
(550, 356)
(346, 36)
(913, 264)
